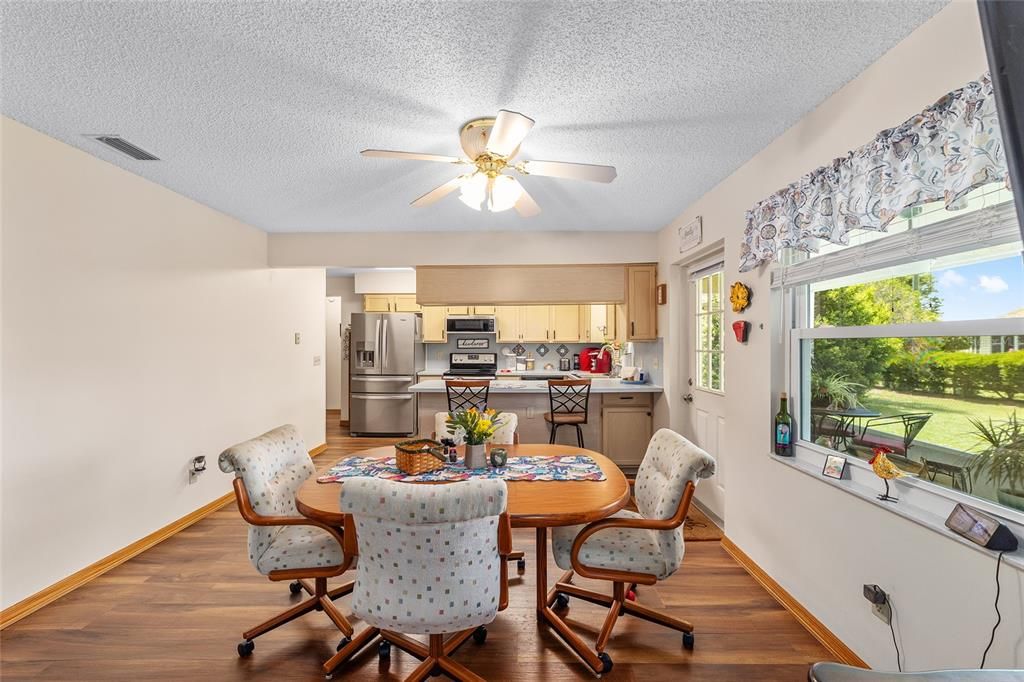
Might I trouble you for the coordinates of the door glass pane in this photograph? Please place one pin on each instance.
(715, 323)
(716, 371)
(716, 291)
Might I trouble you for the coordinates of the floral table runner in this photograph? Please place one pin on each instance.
(532, 468)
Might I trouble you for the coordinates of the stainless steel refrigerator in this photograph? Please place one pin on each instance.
(387, 354)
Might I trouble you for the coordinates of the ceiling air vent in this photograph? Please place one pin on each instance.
(125, 147)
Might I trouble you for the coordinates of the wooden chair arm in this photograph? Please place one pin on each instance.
(641, 524)
(252, 517)
(504, 549)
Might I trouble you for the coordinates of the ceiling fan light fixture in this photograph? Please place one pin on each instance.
(474, 191)
(504, 193)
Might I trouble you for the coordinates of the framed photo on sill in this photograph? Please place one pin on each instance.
(835, 467)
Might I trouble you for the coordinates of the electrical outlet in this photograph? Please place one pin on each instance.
(880, 605)
(654, 363)
(298, 338)
(883, 612)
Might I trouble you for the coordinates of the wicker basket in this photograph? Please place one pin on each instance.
(418, 456)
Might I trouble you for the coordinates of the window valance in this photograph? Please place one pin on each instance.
(947, 150)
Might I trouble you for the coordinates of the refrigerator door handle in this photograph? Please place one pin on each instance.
(384, 343)
(376, 333)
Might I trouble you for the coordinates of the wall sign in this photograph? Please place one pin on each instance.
(690, 235)
(472, 344)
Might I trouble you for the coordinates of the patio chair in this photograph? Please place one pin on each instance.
(912, 424)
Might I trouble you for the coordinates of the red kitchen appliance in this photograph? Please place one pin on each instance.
(595, 360)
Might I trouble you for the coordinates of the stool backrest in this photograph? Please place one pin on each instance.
(466, 393)
(569, 396)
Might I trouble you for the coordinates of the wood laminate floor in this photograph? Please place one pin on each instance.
(176, 611)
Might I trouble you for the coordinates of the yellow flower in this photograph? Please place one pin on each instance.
(485, 424)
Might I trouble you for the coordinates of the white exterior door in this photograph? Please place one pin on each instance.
(704, 372)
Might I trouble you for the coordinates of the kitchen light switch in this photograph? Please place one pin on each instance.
(316, 360)
(298, 338)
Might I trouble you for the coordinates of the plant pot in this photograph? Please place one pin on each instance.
(1011, 498)
(476, 456)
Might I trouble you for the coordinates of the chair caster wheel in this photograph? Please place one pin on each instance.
(345, 641)
(245, 648)
(688, 640)
(607, 661)
(521, 565)
(561, 601)
(295, 587)
(480, 635)
(384, 650)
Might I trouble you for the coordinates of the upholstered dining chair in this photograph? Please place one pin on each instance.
(505, 434)
(430, 562)
(631, 548)
(283, 544)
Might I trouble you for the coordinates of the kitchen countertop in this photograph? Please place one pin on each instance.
(597, 385)
(572, 373)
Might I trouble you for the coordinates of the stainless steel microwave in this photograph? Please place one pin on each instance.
(471, 325)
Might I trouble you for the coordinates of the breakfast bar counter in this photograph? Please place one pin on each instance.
(629, 405)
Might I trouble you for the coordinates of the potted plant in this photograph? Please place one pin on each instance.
(474, 428)
(1002, 458)
(834, 391)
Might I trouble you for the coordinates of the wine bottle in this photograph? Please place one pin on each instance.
(783, 429)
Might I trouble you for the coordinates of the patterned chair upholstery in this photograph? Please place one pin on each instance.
(272, 467)
(504, 435)
(430, 562)
(641, 547)
(669, 464)
(283, 544)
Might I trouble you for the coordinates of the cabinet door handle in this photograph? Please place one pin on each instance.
(632, 328)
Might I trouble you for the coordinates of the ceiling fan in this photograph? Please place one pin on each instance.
(490, 145)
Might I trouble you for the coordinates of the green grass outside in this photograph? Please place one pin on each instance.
(949, 425)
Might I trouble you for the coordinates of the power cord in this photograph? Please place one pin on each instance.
(899, 665)
(999, 616)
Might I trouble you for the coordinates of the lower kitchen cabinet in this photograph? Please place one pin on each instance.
(625, 433)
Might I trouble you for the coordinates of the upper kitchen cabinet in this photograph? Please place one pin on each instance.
(641, 306)
(377, 303)
(506, 322)
(534, 325)
(390, 303)
(564, 323)
(597, 322)
(459, 309)
(434, 330)
(484, 309)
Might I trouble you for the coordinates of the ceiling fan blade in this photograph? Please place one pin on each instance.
(439, 192)
(510, 127)
(526, 206)
(413, 156)
(573, 171)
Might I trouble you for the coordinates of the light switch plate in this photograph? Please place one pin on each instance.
(298, 338)
(316, 360)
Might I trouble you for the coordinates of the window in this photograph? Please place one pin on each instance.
(913, 341)
(709, 307)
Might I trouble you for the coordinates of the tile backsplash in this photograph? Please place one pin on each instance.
(645, 355)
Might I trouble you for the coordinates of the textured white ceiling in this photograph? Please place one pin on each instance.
(260, 109)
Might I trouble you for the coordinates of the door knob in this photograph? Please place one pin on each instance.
(688, 398)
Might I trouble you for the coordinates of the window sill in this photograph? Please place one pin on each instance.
(905, 508)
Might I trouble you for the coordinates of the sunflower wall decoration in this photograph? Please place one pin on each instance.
(739, 296)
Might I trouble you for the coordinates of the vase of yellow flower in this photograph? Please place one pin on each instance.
(475, 428)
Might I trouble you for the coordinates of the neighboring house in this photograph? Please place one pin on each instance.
(986, 345)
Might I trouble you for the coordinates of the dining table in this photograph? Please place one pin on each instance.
(537, 504)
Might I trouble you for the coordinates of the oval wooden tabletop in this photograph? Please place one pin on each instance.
(531, 504)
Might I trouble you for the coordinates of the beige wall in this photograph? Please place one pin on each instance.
(822, 544)
(396, 249)
(140, 329)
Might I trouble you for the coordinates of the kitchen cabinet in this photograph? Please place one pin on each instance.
(434, 324)
(597, 322)
(377, 303)
(641, 306)
(506, 323)
(484, 309)
(564, 323)
(458, 309)
(625, 432)
(390, 303)
(534, 321)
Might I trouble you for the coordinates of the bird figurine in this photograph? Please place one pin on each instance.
(885, 470)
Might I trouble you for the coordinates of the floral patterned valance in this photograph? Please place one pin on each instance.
(947, 150)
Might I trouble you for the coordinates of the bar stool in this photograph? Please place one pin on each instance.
(569, 399)
(466, 393)
(462, 395)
